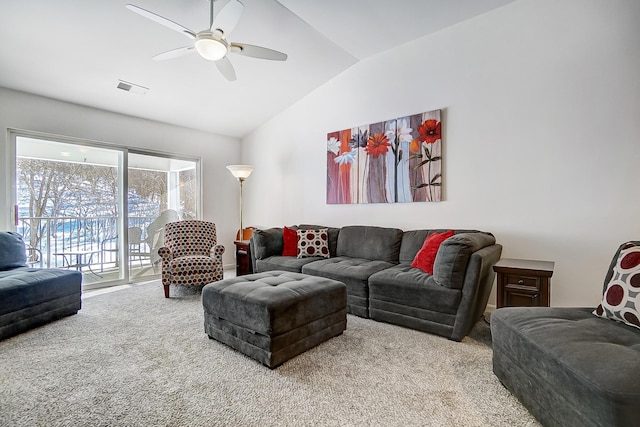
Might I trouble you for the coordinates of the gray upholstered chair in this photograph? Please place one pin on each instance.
(190, 255)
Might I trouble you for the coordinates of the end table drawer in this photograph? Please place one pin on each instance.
(514, 280)
(517, 297)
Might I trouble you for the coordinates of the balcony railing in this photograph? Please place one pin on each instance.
(96, 236)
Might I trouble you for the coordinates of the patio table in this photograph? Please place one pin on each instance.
(82, 259)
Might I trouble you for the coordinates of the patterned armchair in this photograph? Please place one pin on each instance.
(190, 255)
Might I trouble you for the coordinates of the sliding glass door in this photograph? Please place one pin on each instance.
(160, 190)
(97, 208)
(68, 200)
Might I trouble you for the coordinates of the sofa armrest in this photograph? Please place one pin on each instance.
(369, 242)
(451, 261)
(476, 288)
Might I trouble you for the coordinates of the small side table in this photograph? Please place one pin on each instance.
(523, 283)
(243, 258)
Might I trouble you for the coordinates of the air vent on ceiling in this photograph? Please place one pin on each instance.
(132, 87)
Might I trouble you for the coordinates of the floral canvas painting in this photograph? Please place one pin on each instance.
(395, 161)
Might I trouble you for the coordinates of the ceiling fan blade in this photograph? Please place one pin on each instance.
(162, 21)
(225, 67)
(228, 17)
(257, 52)
(174, 53)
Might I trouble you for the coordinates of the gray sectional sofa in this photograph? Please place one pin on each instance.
(31, 297)
(567, 366)
(375, 264)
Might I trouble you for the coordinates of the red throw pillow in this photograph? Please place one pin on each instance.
(290, 239)
(426, 256)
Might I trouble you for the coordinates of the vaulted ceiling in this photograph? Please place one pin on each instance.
(78, 51)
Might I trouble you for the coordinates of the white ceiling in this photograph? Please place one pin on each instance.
(77, 51)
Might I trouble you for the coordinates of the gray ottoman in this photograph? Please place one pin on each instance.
(275, 315)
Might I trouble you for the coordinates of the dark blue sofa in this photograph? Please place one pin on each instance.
(31, 297)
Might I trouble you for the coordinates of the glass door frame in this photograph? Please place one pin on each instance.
(123, 190)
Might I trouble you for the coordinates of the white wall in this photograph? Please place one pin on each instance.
(19, 110)
(541, 116)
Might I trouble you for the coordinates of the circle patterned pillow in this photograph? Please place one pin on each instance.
(313, 243)
(621, 299)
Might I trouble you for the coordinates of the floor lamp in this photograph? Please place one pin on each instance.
(240, 172)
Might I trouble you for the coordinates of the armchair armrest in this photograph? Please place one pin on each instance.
(165, 254)
(217, 251)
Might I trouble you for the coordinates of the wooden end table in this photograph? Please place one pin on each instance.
(523, 283)
(243, 258)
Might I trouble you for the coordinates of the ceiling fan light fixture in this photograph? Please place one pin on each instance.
(210, 48)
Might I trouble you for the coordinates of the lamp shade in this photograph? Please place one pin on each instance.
(240, 171)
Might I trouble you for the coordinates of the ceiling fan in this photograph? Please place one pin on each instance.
(212, 43)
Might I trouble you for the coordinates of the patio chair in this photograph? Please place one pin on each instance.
(136, 243)
(190, 255)
(155, 234)
(135, 247)
(108, 247)
(34, 256)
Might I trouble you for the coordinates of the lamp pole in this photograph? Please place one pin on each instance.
(241, 229)
(240, 172)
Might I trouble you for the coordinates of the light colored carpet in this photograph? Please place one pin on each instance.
(134, 358)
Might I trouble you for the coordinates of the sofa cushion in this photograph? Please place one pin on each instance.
(621, 299)
(25, 286)
(313, 243)
(426, 256)
(411, 243)
(411, 287)
(345, 268)
(267, 242)
(285, 263)
(568, 367)
(453, 256)
(367, 242)
(12, 251)
(353, 272)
